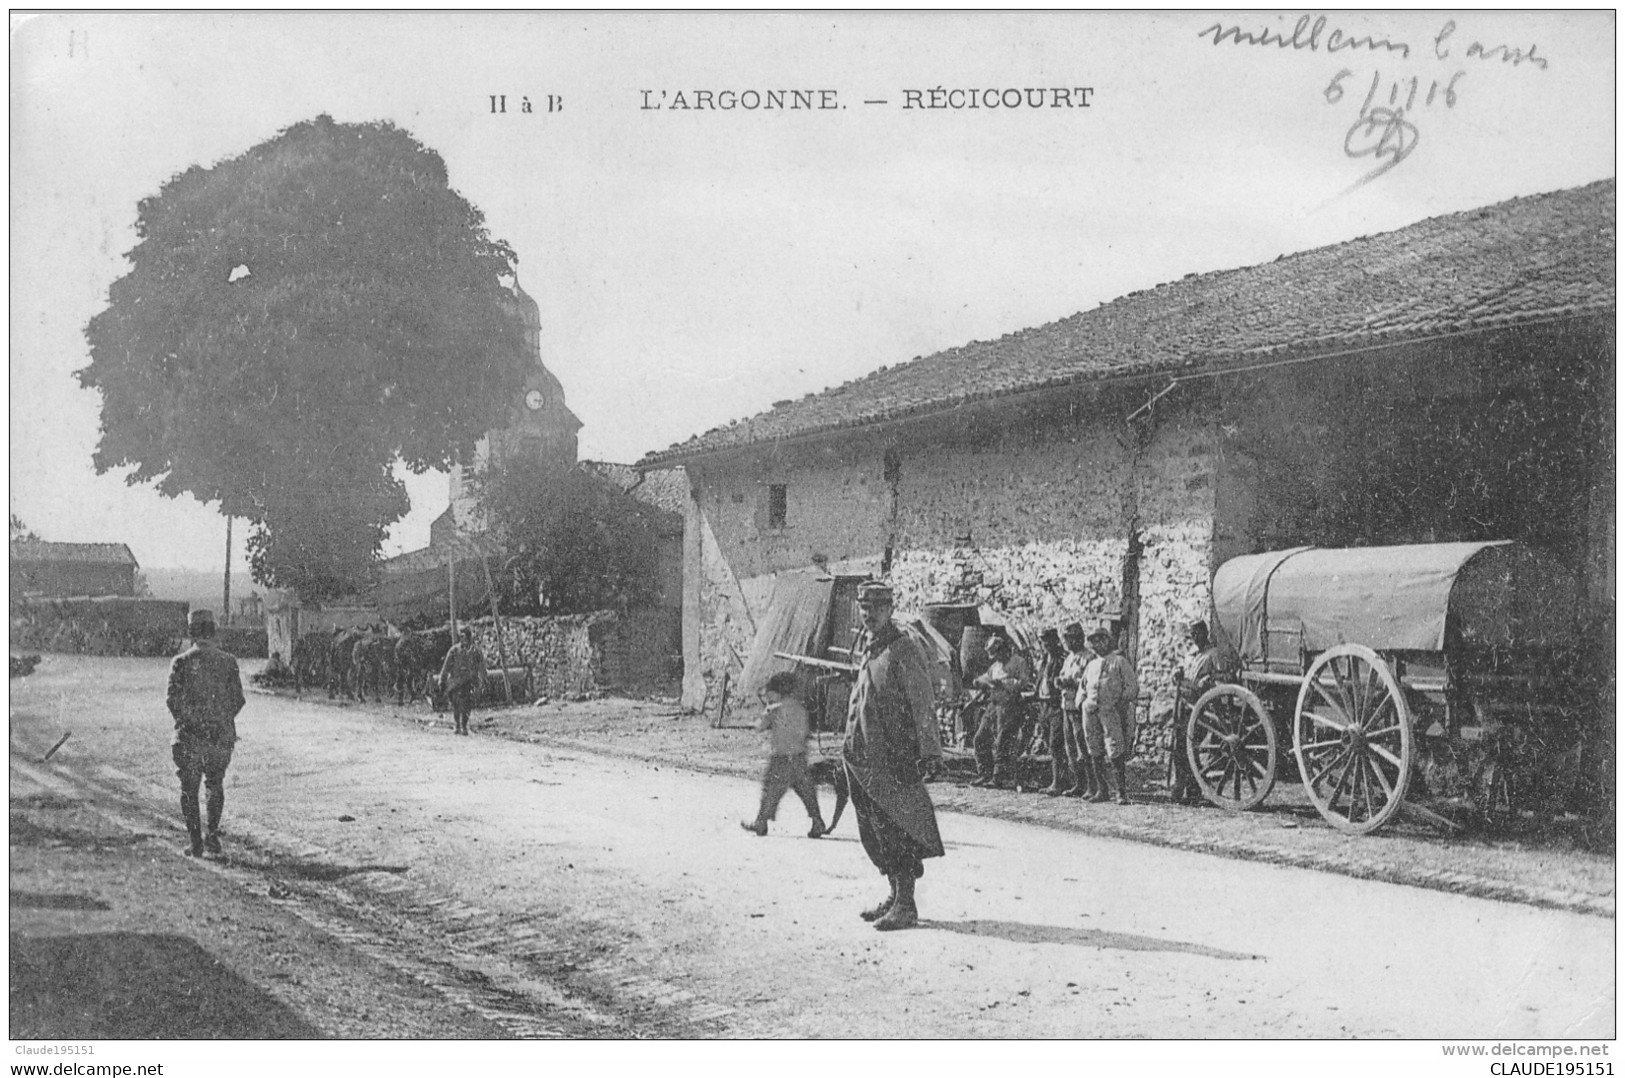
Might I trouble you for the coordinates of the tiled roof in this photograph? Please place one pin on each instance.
(1525, 260)
(459, 548)
(90, 553)
(665, 489)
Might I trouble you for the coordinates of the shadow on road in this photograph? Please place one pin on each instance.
(34, 900)
(25, 832)
(1018, 932)
(132, 986)
(314, 871)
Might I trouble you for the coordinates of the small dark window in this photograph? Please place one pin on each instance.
(778, 504)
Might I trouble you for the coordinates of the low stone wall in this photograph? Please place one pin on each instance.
(244, 642)
(579, 654)
(105, 625)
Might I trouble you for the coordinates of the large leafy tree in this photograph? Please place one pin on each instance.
(297, 319)
(572, 541)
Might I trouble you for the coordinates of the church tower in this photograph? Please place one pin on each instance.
(540, 426)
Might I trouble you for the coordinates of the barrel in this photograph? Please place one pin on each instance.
(973, 660)
(949, 620)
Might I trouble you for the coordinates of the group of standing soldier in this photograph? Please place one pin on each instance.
(1084, 690)
(1084, 694)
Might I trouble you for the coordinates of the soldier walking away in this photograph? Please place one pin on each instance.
(205, 695)
(785, 723)
(999, 735)
(1109, 690)
(892, 744)
(462, 676)
(1200, 673)
(1070, 682)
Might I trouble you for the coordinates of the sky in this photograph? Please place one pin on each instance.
(694, 265)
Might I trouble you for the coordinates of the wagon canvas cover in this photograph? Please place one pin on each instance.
(1396, 598)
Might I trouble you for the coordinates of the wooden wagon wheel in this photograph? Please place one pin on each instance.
(1351, 734)
(1230, 745)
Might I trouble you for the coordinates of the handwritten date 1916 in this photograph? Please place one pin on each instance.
(1382, 131)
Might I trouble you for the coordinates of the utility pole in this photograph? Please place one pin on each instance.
(225, 602)
(451, 592)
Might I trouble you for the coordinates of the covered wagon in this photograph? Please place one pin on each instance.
(1435, 670)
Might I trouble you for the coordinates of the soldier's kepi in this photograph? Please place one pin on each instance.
(891, 745)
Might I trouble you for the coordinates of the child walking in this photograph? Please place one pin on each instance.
(785, 722)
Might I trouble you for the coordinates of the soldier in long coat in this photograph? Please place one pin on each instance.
(892, 744)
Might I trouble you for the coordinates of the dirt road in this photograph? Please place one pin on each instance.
(540, 892)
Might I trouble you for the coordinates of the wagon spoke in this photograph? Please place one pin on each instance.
(1313, 745)
(1348, 685)
(1386, 755)
(1324, 721)
(1366, 767)
(1375, 713)
(1340, 700)
(1355, 682)
(1356, 785)
(1387, 787)
(1332, 760)
(1326, 696)
(1342, 781)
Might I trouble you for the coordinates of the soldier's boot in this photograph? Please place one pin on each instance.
(902, 913)
(879, 911)
(194, 825)
(1099, 791)
(216, 805)
(1120, 776)
(1083, 785)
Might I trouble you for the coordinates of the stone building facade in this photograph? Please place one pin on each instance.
(1452, 380)
(1045, 518)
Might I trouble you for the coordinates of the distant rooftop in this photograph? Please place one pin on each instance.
(1523, 261)
(96, 553)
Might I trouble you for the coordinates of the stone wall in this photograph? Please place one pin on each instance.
(589, 653)
(1033, 518)
(1030, 525)
(1175, 498)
